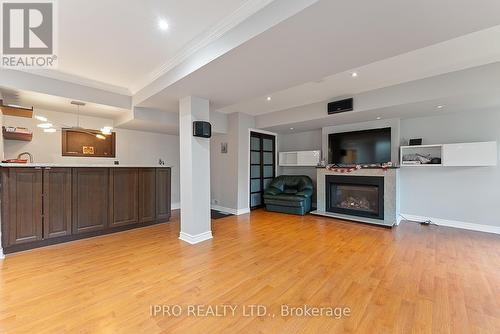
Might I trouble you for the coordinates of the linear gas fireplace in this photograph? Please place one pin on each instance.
(361, 196)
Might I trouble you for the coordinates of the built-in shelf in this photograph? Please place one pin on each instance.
(453, 155)
(9, 110)
(299, 158)
(8, 135)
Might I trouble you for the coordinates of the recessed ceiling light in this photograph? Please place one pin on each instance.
(379, 118)
(268, 98)
(440, 106)
(354, 74)
(292, 128)
(41, 118)
(163, 25)
(45, 125)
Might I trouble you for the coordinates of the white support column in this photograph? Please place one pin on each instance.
(195, 172)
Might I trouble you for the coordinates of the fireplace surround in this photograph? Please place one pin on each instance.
(367, 195)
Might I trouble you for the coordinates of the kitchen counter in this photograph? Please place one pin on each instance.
(42, 165)
(48, 203)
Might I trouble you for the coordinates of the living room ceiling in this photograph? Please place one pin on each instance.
(319, 42)
(238, 53)
(119, 43)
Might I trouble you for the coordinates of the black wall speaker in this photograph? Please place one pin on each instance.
(202, 129)
(340, 106)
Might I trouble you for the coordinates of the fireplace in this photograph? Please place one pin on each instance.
(361, 196)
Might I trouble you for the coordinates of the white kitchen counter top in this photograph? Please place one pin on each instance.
(41, 165)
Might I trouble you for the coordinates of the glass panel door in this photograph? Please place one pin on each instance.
(262, 166)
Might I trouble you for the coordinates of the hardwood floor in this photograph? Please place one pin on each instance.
(409, 279)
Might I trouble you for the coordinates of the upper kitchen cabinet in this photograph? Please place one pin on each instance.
(76, 143)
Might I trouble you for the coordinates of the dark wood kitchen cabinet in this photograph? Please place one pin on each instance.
(147, 195)
(90, 199)
(21, 205)
(163, 195)
(56, 202)
(48, 205)
(124, 196)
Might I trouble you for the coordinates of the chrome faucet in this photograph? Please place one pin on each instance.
(20, 155)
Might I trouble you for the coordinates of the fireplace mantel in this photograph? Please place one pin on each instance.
(391, 194)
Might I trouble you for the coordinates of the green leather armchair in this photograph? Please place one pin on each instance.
(289, 194)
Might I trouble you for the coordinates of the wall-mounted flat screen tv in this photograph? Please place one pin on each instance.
(360, 147)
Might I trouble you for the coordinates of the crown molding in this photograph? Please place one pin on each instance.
(246, 10)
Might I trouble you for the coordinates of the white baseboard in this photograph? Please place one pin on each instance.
(2, 255)
(242, 211)
(230, 210)
(454, 223)
(175, 206)
(195, 239)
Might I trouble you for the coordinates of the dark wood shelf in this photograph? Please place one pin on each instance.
(16, 135)
(16, 111)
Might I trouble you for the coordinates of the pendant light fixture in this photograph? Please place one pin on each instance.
(49, 127)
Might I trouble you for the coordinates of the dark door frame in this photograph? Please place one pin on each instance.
(261, 136)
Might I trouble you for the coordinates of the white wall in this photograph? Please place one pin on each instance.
(132, 147)
(223, 172)
(230, 173)
(464, 194)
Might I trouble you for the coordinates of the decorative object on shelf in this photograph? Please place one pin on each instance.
(88, 150)
(223, 148)
(349, 168)
(49, 126)
(415, 142)
(14, 110)
(417, 158)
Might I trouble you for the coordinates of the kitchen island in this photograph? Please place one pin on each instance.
(44, 204)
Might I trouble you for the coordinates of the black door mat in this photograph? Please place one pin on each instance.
(217, 214)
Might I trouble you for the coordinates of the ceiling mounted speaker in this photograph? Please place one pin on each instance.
(202, 129)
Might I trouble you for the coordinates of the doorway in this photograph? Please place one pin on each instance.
(262, 166)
